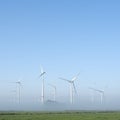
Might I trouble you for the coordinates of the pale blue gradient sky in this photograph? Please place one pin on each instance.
(65, 37)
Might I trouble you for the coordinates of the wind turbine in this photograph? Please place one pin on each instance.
(101, 93)
(14, 92)
(19, 90)
(72, 86)
(42, 92)
(54, 87)
(92, 95)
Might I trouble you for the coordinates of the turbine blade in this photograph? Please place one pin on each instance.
(74, 78)
(101, 91)
(65, 80)
(74, 88)
(41, 70)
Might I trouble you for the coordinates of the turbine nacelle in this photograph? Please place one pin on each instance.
(19, 83)
(42, 74)
(74, 78)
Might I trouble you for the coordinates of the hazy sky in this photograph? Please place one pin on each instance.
(65, 37)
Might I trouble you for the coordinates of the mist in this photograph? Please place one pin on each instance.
(62, 104)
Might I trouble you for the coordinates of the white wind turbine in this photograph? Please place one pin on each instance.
(54, 87)
(72, 87)
(92, 94)
(102, 97)
(14, 92)
(101, 93)
(42, 92)
(19, 90)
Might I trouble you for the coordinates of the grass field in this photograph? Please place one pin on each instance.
(60, 116)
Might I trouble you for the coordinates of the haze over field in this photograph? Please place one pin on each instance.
(65, 37)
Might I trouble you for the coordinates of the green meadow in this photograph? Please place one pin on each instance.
(60, 116)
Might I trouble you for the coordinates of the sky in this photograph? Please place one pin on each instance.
(65, 37)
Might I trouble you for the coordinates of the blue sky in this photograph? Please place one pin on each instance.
(65, 37)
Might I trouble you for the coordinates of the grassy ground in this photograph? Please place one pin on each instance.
(60, 116)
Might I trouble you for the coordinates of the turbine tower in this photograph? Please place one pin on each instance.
(54, 87)
(19, 90)
(72, 87)
(42, 92)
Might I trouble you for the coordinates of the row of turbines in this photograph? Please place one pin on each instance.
(71, 83)
(72, 88)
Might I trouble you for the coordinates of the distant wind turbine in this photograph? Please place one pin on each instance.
(19, 90)
(14, 92)
(42, 92)
(101, 93)
(54, 87)
(72, 86)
